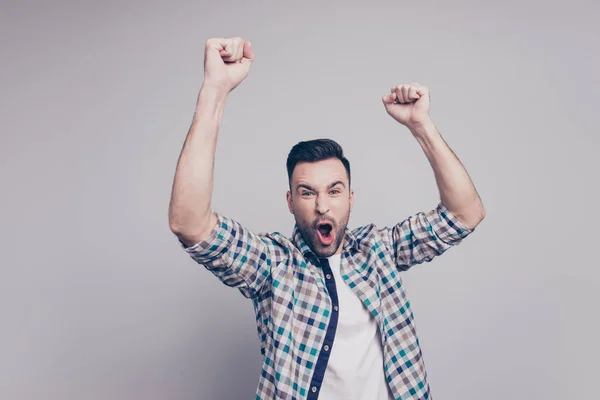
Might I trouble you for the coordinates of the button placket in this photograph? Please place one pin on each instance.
(327, 346)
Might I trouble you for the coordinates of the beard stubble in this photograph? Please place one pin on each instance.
(309, 234)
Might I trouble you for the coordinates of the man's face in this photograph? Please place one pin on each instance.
(321, 201)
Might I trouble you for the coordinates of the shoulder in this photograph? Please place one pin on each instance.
(367, 235)
(365, 232)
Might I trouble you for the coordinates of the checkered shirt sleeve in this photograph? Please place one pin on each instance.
(423, 236)
(238, 257)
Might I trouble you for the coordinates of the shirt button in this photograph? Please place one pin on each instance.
(326, 348)
(328, 276)
(314, 389)
(335, 308)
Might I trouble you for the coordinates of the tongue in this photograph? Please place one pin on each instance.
(324, 237)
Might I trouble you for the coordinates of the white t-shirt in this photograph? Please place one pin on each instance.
(355, 367)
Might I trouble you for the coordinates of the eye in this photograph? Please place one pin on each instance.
(335, 191)
(304, 194)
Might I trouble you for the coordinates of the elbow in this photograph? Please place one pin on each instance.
(174, 228)
(471, 216)
(174, 224)
(194, 230)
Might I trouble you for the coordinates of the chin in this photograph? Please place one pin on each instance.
(326, 253)
(321, 251)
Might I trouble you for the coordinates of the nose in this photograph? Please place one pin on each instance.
(322, 207)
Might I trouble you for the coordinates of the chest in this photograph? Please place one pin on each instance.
(300, 290)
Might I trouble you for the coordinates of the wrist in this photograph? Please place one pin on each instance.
(422, 127)
(214, 91)
(211, 102)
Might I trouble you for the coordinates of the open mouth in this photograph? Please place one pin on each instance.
(325, 233)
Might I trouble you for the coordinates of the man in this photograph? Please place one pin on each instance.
(332, 315)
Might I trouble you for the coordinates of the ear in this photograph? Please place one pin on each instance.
(288, 196)
(351, 199)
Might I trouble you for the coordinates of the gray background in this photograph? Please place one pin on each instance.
(97, 299)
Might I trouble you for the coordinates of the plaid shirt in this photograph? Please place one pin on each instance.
(293, 307)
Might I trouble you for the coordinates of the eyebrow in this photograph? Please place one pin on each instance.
(305, 186)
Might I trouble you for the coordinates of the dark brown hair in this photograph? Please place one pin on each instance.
(315, 150)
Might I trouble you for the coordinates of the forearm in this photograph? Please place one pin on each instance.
(456, 189)
(190, 207)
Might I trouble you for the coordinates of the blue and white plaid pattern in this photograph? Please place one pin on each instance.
(287, 287)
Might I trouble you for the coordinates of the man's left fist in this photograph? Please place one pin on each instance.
(408, 104)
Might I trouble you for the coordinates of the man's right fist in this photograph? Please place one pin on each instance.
(226, 62)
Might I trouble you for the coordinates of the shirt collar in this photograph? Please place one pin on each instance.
(349, 242)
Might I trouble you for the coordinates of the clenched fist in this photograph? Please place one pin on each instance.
(226, 62)
(408, 104)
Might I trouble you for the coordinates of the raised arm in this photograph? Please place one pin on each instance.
(226, 64)
(426, 235)
(409, 105)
